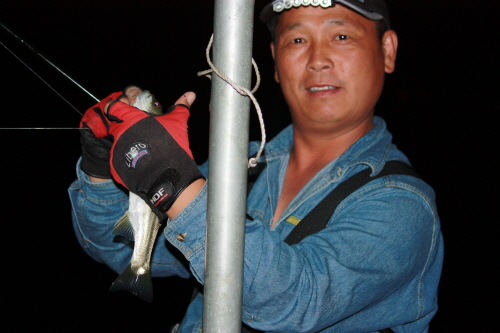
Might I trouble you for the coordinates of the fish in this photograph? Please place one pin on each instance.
(140, 225)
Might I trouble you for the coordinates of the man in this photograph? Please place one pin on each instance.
(377, 263)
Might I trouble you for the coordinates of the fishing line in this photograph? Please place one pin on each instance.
(46, 83)
(40, 128)
(22, 62)
(47, 60)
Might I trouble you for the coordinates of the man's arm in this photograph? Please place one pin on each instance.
(98, 180)
(96, 206)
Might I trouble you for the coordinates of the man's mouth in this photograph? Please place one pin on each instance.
(313, 89)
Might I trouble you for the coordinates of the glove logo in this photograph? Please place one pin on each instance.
(158, 197)
(134, 153)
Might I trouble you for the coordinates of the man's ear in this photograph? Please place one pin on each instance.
(390, 48)
(276, 76)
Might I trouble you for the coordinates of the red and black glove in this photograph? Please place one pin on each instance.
(95, 140)
(150, 155)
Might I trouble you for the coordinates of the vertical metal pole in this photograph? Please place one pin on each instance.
(228, 152)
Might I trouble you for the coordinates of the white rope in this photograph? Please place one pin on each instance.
(252, 162)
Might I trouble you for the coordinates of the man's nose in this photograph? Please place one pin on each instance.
(319, 59)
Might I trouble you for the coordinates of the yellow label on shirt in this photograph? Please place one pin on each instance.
(293, 220)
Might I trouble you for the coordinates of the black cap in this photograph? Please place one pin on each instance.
(372, 9)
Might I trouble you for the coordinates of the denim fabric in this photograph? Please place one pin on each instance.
(95, 209)
(376, 265)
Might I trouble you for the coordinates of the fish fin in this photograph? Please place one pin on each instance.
(138, 284)
(124, 228)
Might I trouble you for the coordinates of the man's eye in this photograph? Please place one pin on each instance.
(297, 40)
(341, 37)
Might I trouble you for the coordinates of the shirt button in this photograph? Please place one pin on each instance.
(181, 237)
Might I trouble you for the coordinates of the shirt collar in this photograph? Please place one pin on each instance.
(372, 149)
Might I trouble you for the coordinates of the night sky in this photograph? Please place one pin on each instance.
(438, 104)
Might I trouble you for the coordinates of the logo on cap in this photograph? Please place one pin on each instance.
(280, 5)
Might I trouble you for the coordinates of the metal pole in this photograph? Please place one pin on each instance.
(228, 152)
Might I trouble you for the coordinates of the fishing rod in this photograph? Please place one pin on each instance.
(23, 42)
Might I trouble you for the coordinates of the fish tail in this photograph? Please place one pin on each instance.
(134, 281)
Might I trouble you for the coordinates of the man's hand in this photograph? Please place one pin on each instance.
(150, 154)
(95, 140)
(94, 135)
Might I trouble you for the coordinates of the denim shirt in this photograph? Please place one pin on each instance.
(376, 265)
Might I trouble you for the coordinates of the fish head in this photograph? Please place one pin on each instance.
(147, 102)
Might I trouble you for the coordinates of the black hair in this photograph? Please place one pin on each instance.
(271, 25)
(382, 27)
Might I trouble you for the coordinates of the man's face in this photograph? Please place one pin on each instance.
(330, 64)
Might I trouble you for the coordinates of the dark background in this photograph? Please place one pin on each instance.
(438, 104)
